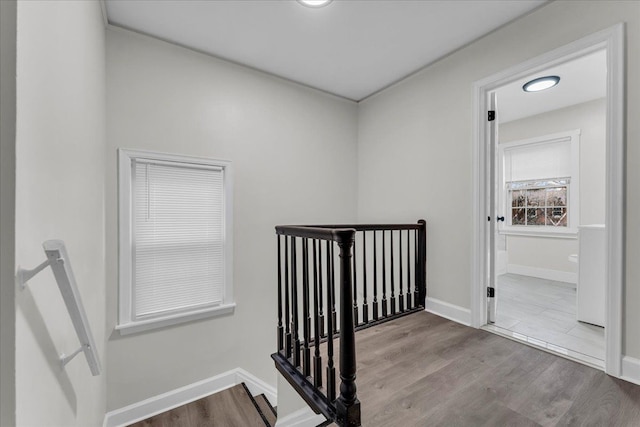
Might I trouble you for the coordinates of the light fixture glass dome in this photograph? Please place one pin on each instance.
(541, 83)
(314, 3)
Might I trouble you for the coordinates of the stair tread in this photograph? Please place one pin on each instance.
(267, 410)
(232, 407)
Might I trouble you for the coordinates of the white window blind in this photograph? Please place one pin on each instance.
(538, 161)
(178, 237)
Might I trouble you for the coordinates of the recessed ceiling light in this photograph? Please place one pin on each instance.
(542, 83)
(314, 3)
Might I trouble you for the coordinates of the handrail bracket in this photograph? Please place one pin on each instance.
(24, 275)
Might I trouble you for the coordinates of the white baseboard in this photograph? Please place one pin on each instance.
(448, 311)
(304, 417)
(543, 273)
(631, 369)
(183, 395)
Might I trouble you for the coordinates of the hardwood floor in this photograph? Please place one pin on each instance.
(232, 407)
(267, 410)
(546, 310)
(423, 370)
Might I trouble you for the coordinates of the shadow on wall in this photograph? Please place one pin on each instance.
(26, 304)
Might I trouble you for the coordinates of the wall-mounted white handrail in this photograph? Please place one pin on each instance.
(58, 259)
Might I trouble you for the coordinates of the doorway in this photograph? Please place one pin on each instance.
(524, 205)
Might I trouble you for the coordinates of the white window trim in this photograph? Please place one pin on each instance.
(571, 231)
(126, 324)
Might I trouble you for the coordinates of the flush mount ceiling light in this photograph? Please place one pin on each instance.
(542, 83)
(314, 3)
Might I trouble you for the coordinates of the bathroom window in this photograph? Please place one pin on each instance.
(539, 203)
(540, 185)
(175, 239)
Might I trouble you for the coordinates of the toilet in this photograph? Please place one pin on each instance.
(591, 259)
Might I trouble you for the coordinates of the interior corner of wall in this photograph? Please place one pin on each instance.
(289, 402)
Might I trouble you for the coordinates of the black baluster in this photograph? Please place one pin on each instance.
(334, 314)
(408, 269)
(355, 287)
(331, 370)
(321, 304)
(365, 306)
(384, 276)
(294, 300)
(287, 300)
(317, 359)
(375, 277)
(280, 329)
(401, 294)
(393, 279)
(306, 326)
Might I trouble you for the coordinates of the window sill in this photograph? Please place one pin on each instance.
(161, 322)
(568, 234)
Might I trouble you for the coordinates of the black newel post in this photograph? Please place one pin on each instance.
(347, 403)
(422, 263)
(280, 328)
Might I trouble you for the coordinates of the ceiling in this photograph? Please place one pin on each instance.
(352, 49)
(581, 80)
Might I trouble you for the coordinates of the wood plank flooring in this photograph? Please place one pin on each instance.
(423, 370)
(230, 408)
(267, 410)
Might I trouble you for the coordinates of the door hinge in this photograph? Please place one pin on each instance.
(492, 115)
(491, 292)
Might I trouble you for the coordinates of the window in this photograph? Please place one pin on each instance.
(175, 239)
(536, 203)
(540, 185)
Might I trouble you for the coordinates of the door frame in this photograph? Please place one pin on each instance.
(612, 40)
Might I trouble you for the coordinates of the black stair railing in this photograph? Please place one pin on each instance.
(373, 261)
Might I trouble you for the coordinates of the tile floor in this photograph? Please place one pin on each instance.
(546, 310)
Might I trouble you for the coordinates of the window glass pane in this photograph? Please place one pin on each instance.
(536, 197)
(539, 202)
(557, 217)
(557, 196)
(518, 199)
(517, 216)
(535, 216)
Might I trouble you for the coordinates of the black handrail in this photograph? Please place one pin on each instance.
(317, 232)
(313, 286)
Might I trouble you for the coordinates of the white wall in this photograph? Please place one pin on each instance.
(60, 146)
(590, 118)
(415, 143)
(413, 154)
(294, 157)
(7, 210)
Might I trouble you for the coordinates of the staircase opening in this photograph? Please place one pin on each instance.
(234, 406)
